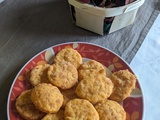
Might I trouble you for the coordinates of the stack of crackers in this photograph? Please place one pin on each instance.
(71, 90)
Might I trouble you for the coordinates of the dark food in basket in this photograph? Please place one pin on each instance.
(108, 4)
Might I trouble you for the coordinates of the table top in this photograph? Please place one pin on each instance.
(146, 64)
(30, 26)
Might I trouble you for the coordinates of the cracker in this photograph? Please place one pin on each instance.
(94, 90)
(80, 109)
(124, 82)
(91, 68)
(69, 55)
(55, 116)
(63, 74)
(110, 110)
(39, 74)
(26, 108)
(47, 98)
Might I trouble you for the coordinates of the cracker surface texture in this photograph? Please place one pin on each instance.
(47, 98)
(90, 69)
(124, 82)
(55, 116)
(63, 75)
(26, 108)
(94, 90)
(110, 110)
(39, 74)
(80, 109)
(69, 55)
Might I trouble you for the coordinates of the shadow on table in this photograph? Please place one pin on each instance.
(158, 5)
(47, 18)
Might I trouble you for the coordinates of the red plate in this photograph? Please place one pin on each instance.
(133, 105)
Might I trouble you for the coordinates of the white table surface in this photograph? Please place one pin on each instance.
(146, 65)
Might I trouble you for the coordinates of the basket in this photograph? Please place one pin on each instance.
(92, 17)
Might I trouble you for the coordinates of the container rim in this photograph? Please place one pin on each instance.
(106, 12)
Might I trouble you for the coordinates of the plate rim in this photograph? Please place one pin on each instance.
(11, 87)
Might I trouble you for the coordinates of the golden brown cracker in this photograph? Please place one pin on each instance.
(110, 110)
(124, 82)
(94, 90)
(63, 75)
(26, 108)
(54, 116)
(91, 68)
(80, 109)
(47, 98)
(69, 55)
(39, 74)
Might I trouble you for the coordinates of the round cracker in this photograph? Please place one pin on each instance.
(68, 55)
(124, 82)
(63, 75)
(26, 108)
(91, 68)
(80, 109)
(47, 98)
(39, 74)
(94, 89)
(54, 116)
(110, 110)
